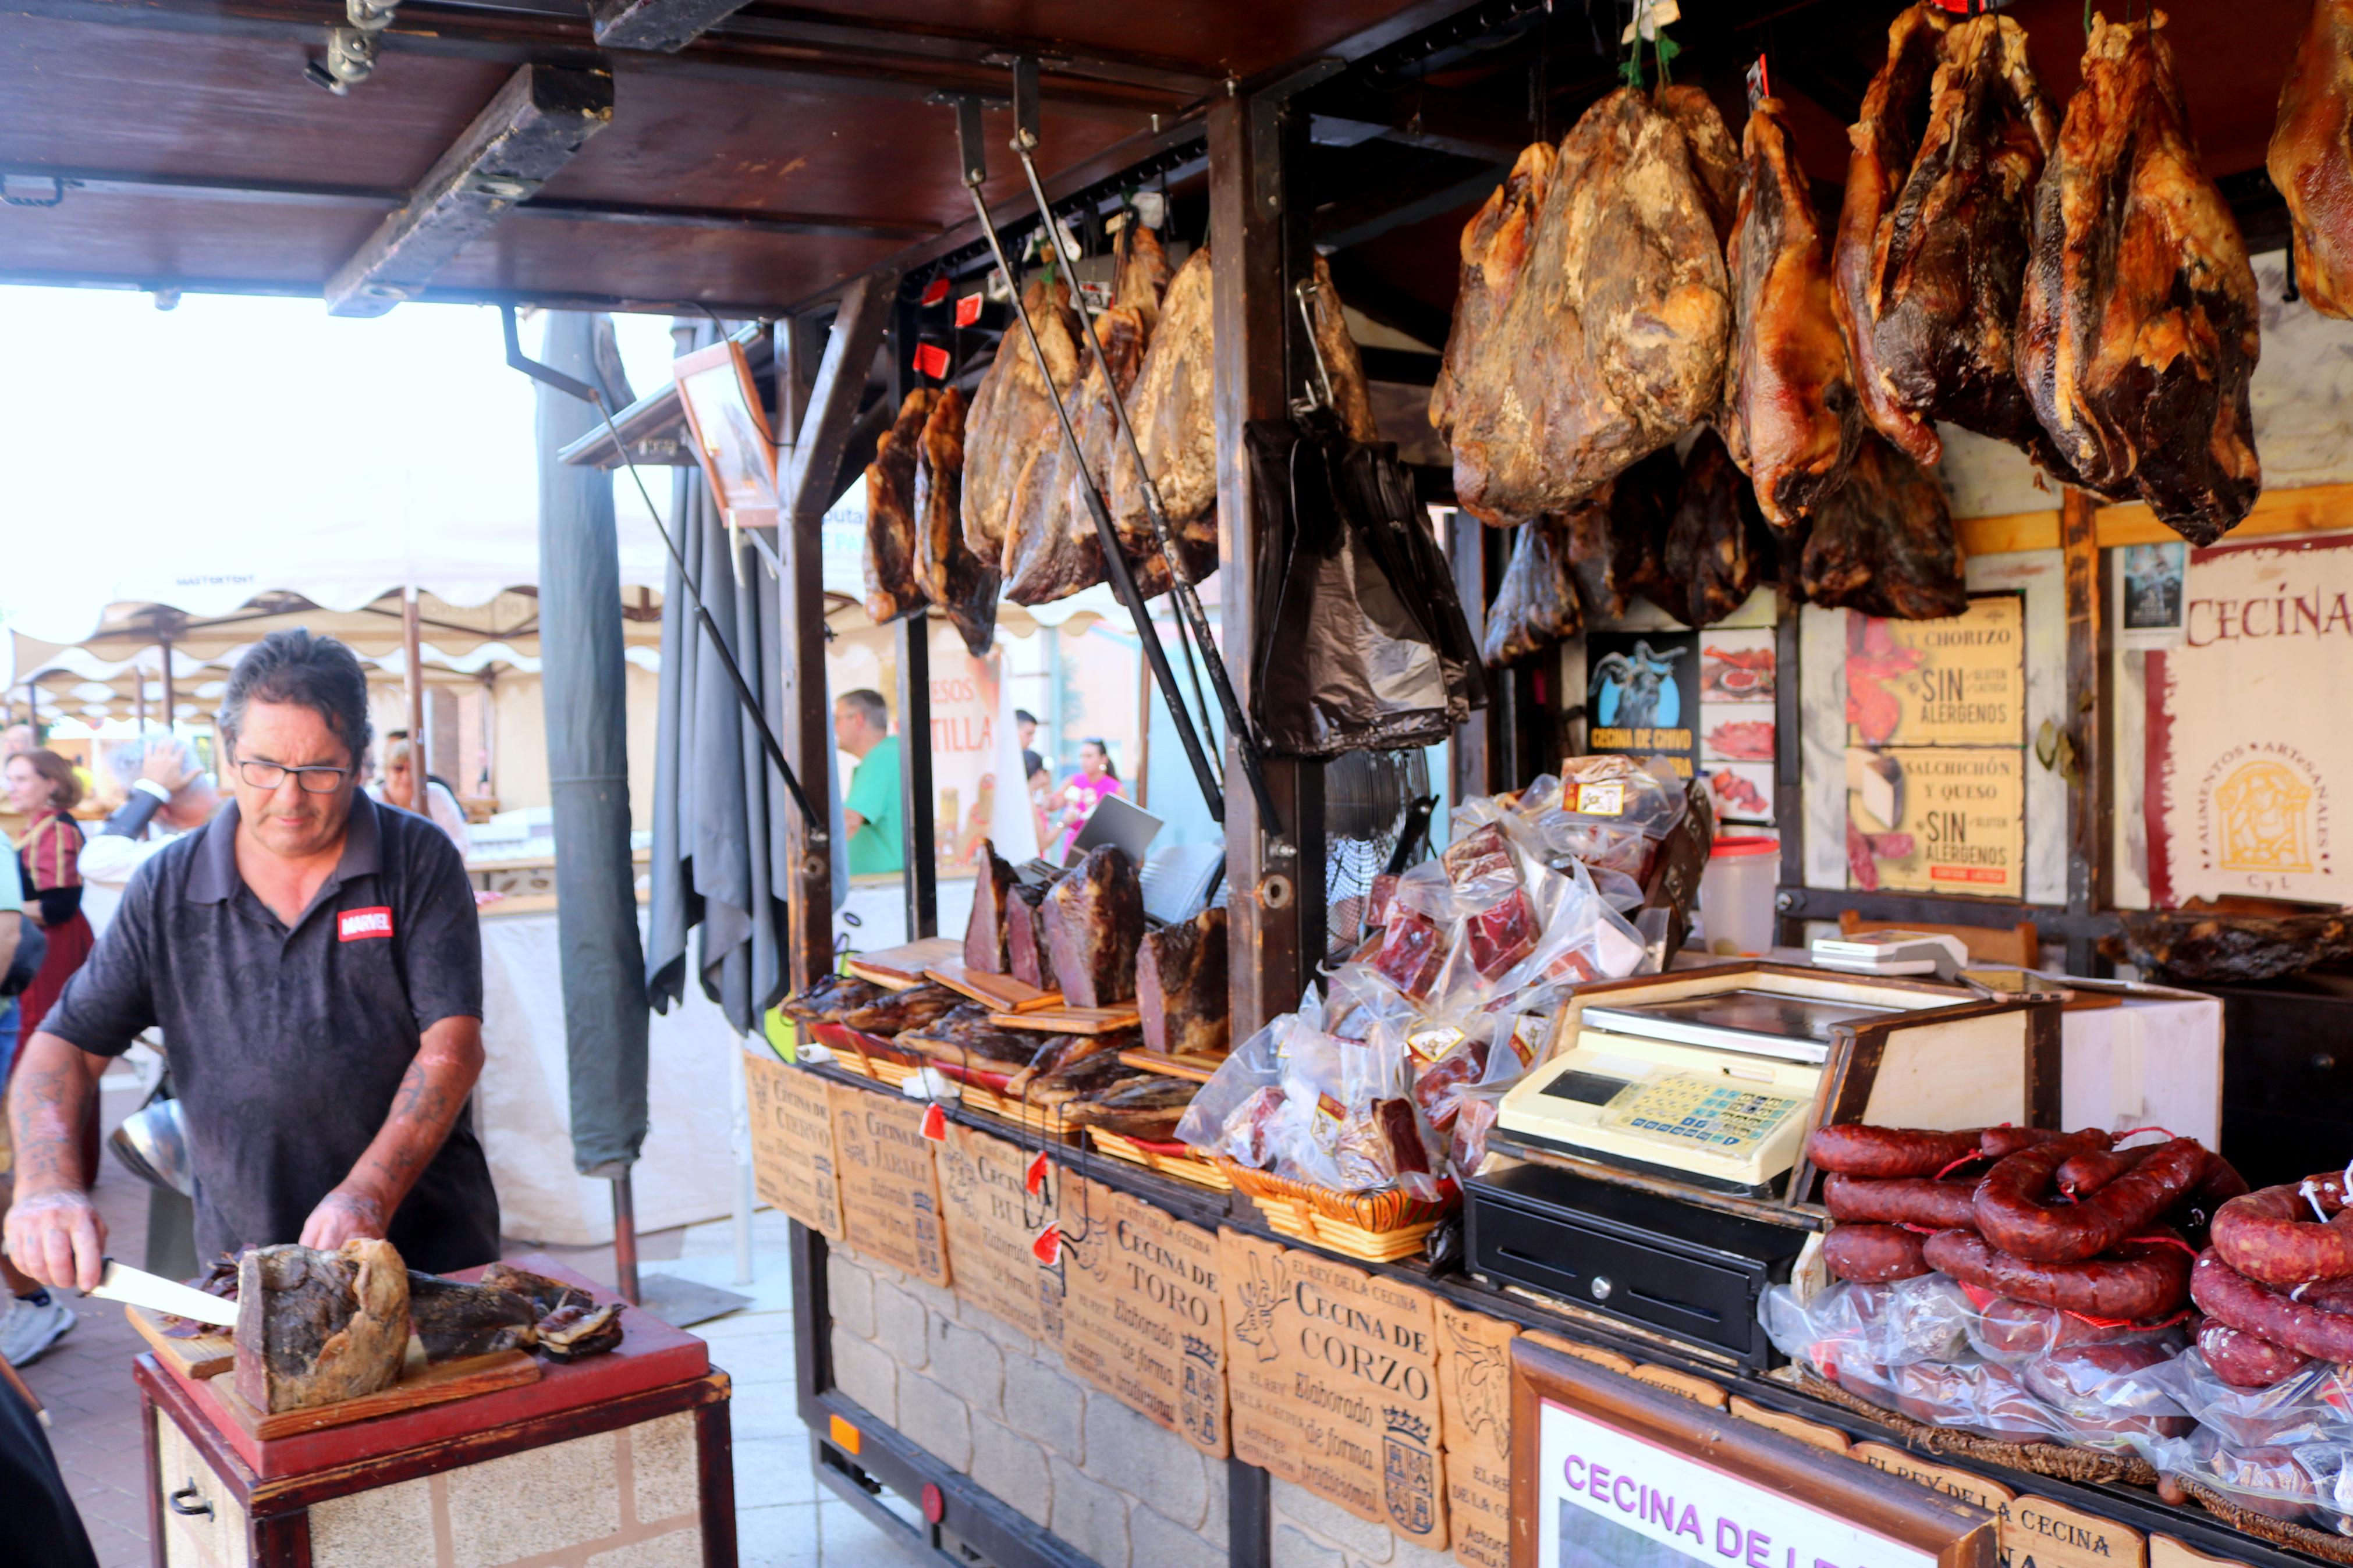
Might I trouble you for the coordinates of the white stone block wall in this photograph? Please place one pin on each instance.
(1309, 1533)
(986, 1399)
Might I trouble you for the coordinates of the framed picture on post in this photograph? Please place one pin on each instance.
(731, 433)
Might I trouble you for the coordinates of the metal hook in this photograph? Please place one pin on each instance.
(1303, 290)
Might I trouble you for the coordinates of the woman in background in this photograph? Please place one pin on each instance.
(43, 786)
(1082, 790)
(399, 788)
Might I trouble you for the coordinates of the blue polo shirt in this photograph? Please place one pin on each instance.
(286, 1044)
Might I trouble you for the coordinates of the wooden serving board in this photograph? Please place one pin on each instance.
(1001, 992)
(902, 968)
(1070, 1020)
(434, 1386)
(206, 1356)
(1197, 1068)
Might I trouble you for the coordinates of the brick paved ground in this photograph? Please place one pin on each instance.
(784, 1519)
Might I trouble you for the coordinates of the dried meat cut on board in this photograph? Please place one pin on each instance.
(1536, 604)
(2140, 329)
(1929, 273)
(1175, 427)
(315, 1327)
(1012, 416)
(1025, 938)
(1609, 341)
(1719, 542)
(951, 575)
(2311, 158)
(1616, 541)
(985, 947)
(891, 587)
(1180, 986)
(1094, 921)
(1790, 417)
(1883, 543)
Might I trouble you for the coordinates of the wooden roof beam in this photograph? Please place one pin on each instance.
(668, 26)
(531, 129)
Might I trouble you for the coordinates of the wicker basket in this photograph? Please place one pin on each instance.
(1173, 1159)
(1379, 1227)
(1039, 1120)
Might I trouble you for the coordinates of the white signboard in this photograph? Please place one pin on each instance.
(1611, 1499)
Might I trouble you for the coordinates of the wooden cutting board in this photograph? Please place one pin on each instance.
(1001, 992)
(1197, 1068)
(207, 1355)
(1061, 1020)
(433, 1385)
(902, 968)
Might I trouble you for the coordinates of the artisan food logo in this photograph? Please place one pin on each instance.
(2265, 807)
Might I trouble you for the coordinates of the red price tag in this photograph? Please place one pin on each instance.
(967, 308)
(1048, 1249)
(935, 290)
(1035, 1182)
(935, 1123)
(931, 360)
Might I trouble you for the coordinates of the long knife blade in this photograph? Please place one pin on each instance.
(157, 1294)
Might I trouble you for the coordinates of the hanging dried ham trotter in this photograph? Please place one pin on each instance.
(1790, 417)
(1618, 542)
(1094, 920)
(1141, 273)
(952, 576)
(1181, 987)
(2311, 158)
(1176, 426)
(1719, 542)
(1883, 543)
(1536, 605)
(984, 946)
(1612, 340)
(892, 588)
(1012, 419)
(1352, 397)
(2139, 334)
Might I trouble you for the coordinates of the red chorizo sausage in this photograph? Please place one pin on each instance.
(1854, 1148)
(1903, 1200)
(2013, 1214)
(2084, 1175)
(2196, 1211)
(1996, 1143)
(2139, 1280)
(1873, 1253)
(2271, 1237)
(2306, 1328)
(2246, 1360)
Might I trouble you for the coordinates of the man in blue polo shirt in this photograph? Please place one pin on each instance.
(314, 962)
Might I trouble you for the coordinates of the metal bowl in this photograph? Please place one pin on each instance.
(152, 1144)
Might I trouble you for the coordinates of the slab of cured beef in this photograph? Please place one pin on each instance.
(1026, 947)
(1595, 312)
(315, 1327)
(963, 1037)
(1883, 543)
(2311, 157)
(1012, 416)
(2139, 339)
(1932, 237)
(1146, 1105)
(1790, 417)
(1719, 544)
(984, 933)
(1175, 427)
(959, 582)
(1181, 987)
(895, 1012)
(892, 588)
(1093, 917)
(1618, 542)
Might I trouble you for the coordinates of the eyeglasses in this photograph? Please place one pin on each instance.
(311, 780)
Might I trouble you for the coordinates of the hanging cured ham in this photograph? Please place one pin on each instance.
(951, 575)
(891, 587)
(1883, 543)
(1536, 604)
(1931, 252)
(2139, 335)
(2311, 158)
(1616, 542)
(1792, 421)
(1012, 417)
(1608, 340)
(1717, 546)
(1176, 425)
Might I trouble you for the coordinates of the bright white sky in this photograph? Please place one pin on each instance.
(271, 433)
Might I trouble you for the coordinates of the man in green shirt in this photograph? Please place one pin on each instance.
(869, 812)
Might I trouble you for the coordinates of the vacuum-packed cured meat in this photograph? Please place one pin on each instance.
(1790, 418)
(1012, 418)
(951, 575)
(2311, 158)
(314, 1328)
(1931, 276)
(992, 894)
(1611, 341)
(1412, 951)
(1499, 926)
(1717, 543)
(1025, 938)
(1094, 920)
(2139, 334)
(1883, 543)
(1536, 605)
(892, 588)
(1181, 981)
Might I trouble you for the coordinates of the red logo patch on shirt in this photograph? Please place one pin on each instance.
(359, 925)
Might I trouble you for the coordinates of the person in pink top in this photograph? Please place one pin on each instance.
(1095, 779)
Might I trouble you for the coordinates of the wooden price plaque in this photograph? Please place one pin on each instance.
(1333, 1376)
(792, 1142)
(1142, 1316)
(1612, 1471)
(994, 1220)
(1474, 1394)
(890, 1191)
